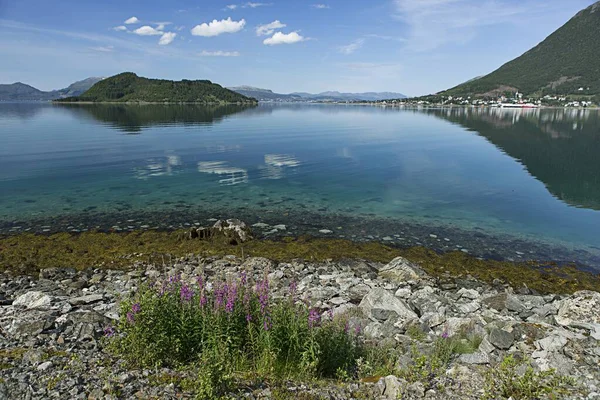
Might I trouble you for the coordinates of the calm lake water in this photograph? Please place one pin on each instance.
(496, 183)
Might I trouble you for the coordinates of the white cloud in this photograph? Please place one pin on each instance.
(167, 38)
(433, 23)
(103, 49)
(254, 5)
(132, 20)
(283, 38)
(216, 28)
(231, 6)
(219, 53)
(147, 31)
(352, 47)
(268, 29)
(320, 6)
(120, 28)
(160, 26)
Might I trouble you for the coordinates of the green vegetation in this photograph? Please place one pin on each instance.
(517, 379)
(559, 156)
(132, 118)
(231, 332)
(564, 62)
(425, 366)
(128, 87)
(28, 253)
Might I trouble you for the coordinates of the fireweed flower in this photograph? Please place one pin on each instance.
(267, 324)
(219, 295)
(231, 296)
(314, 318)
(200, 282)
(262, 290)
(130, 317)
(248, 317)
(136, 308)
(330, 314)
(244, 278)
(203, 300)
(186, 293)
(109, 331)
(445, 334)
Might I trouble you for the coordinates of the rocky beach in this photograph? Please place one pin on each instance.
(53, 328)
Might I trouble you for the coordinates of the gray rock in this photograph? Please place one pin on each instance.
(44, 366)
(33, 300)
(552, 343)
(501, 339)
(88, 299)
(393, 387)
(235, 229)
(416, 390)
(471, 294)
(401, 270)
(475, 358)
(581, 310)
(496, 302)
(485, 346)
(514, 304)
(380, 305)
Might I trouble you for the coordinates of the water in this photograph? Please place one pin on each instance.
(500, 183)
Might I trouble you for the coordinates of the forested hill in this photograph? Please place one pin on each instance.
(128, 87)
(566, 62)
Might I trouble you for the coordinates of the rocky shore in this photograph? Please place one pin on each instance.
(52, 329)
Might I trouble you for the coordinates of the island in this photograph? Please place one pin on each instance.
(127, 87)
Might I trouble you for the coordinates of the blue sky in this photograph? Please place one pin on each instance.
(409, 46)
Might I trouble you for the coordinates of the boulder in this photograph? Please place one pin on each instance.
(501, 339)
(475, 358)
(581, 310)
(379, 304)
(496, 302)
(552, 343)
(401, 270)
(33, 300)
(88, 299)
(235, 229)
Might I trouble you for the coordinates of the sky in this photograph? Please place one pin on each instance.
(414, 47)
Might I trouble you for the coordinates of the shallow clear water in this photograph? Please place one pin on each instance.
(531, 175)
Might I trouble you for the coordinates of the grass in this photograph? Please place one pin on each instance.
(516, 379)
(28, 253)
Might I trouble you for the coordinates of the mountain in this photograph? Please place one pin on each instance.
(79, 87)
(22, 92)
(128, 87)
(264, 94)
(269, 95)
(566, 62)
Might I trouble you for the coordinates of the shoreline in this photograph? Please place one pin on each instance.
(278, 224)
(29, 252)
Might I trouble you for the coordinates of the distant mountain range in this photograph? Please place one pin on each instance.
(269, 95)
(566, 62)
(22, 92)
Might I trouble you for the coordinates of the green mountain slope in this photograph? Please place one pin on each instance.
(128, 87)
(567, 60)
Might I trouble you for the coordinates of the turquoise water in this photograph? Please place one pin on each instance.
(409, 176)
